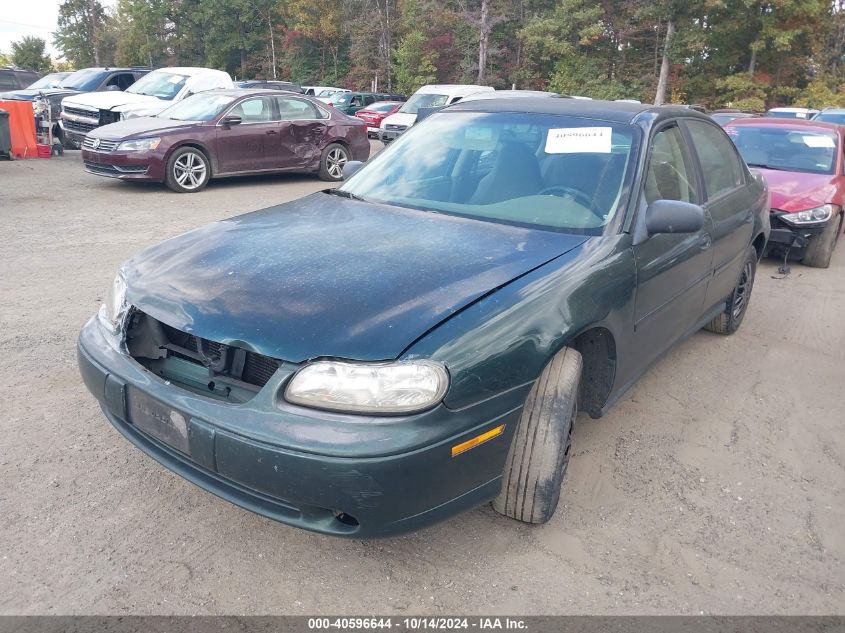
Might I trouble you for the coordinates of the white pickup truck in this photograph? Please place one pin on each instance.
(148, 96)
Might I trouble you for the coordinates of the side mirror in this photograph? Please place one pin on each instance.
(232, 119)
(350, 168)
(673, 216)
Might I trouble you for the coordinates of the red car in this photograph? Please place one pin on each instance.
(374, 114)
(227, 133)
(802, 161)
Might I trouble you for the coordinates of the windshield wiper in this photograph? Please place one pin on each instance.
(343, 194)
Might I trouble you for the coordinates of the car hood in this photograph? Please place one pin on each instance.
(400, 118)
(139, 126)
(30, 95)
(796, 191)
(107, 100)
(328, 276)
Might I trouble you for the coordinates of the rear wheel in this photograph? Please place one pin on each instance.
(188, 170)
(820, 249)
(539, 453)
(729, 320)
(334, 157)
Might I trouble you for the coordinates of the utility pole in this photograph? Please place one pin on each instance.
(272, 43)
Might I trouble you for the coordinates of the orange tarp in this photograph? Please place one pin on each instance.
(22, 128)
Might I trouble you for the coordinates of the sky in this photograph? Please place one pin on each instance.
(30, 17)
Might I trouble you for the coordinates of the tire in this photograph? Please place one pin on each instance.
(334, 157)
(820, 249)
(187, 170)
(539, 454)
(729, 320)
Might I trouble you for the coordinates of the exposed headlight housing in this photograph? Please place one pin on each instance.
(819, 215)
(377, 388)
(114, 309)
(138, 145)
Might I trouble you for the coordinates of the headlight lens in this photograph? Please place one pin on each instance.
(115, 307)
(810, 216)
(379, 388)
(139, 144)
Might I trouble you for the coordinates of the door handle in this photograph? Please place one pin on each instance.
(749, 217)
(272, 132)
(705, 243)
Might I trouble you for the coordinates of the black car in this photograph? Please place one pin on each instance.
(12, 78)
(368, 360)
(266, 84)
(84, 80)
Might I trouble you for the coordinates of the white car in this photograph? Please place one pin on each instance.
(323, 93)
(431, 96)
(148, 96)
(791, 113)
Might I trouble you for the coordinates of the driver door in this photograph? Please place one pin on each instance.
(673, 270)
(251, 145)
(303, 132)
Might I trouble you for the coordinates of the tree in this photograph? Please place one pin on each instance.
(414, 67)
(84, 34)
(29, 53)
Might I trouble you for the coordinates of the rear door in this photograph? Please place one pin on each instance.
(729, 202)
(673, 270)
(303, 132)
(253, 144)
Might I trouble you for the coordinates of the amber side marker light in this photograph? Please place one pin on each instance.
(463, 447)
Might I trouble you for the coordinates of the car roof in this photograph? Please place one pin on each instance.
(248, 92)
(791, 110)
(794, 123)
(833, 111)
(614, 111)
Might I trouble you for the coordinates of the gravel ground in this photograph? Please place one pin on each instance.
(715, 486)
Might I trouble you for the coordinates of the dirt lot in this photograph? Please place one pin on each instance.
(715, 486)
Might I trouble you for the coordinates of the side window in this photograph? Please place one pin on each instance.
(124, 80)
(719, 161)
(368, 99)
(295, 109)
(253, 110)
(669, 174)
(7, 80)
(114, 81)
(357, 101)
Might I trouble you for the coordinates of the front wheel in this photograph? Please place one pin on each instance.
(539, 454)
(188, 170)
(729, 320)
(820, 249)
(334, 157)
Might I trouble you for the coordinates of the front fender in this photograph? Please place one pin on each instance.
(502, 342)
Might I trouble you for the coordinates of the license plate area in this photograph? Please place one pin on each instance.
(158, 419)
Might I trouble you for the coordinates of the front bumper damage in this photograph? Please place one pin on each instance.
(788, 240)
(338, 474)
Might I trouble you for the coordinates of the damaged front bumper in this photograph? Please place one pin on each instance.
(787, 238)
(344, 475)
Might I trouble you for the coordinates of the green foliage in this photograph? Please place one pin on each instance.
(818, 94)
(29, 53)
(741, 91)
(85, 34)
(414, 66)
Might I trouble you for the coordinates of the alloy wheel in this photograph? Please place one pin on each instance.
(189, 170)
(335, 161)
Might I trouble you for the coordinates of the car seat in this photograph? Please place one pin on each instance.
(515, 174)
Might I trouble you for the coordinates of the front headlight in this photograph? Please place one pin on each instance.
(819, 215)
(378, 388)
(115, 307)
(139, 145)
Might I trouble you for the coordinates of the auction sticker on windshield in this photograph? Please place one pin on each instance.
(579, 140)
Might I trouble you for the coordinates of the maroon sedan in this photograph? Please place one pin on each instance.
(374, 114)
(802, 162)
(227, 133)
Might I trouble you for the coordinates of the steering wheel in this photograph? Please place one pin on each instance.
(576, 194)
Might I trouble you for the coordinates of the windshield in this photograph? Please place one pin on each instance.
(384, 106)
(562, 173)
(53, 80)
(164, 85)
(326, 93)
(85, 80)
(340, 97)
(201, 107)
(831, 117)
(785, 147)
(418, 101)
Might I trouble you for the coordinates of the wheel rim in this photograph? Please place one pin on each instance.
(189, 170)
(743, 289)
(335, 161)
